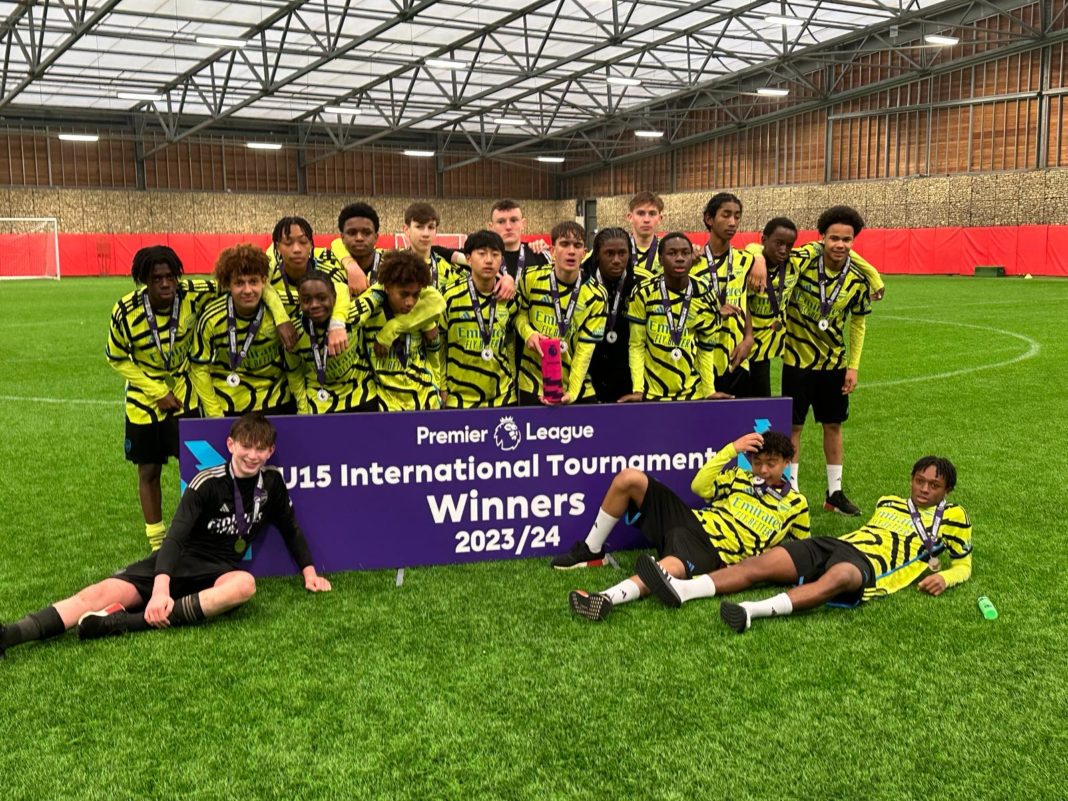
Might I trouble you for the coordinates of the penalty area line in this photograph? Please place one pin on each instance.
(76, 401)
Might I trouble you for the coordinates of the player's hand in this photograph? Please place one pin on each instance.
(850, 381)
(878, 294)
(316, 583)
(632, 397)
(758, 275)
(357, 277)
(749, 443)
(381, 350)
(934, 584)
(741, 353)
(717, 395)
(337, 339)
(444, 396)
(158, 611)
(564, 400)
(430, 334)
(505, 287)
(698, 252)
(538, 246)
(534, 342)
(169, 403)
(287, 332)
(729, 310)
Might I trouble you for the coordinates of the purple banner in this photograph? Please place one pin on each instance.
(427, 488)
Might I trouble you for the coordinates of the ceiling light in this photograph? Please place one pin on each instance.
(786, 22)
(220, 41)
(619, 80)
(551, 159)
(263, 146)
(338, 110)
(419, 154)
(143, 96)
(445, 64)
(649, 134)
(515, 121)
(79, 137)
(771, 91)
(939, 39)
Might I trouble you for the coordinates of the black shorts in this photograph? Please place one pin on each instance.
(820, 389)
(289, 407)
(674, 530)
(142, 575)
(152, 443)
(734, 383)
(816, 555)
(759, 379)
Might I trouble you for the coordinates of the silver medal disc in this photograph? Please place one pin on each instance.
(487, 354)
(611, 336)
(322, 395)
(676, 354)
(233, 379)
(563, 346)
(934, 564)
(824, 324)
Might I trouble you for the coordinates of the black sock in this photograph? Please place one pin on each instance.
(187, 610)
(38, 626)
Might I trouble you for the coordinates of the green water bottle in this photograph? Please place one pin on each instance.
(987, 608)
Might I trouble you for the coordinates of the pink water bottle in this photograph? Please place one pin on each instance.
(551, 371)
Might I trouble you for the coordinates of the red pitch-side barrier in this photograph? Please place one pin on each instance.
(1035, 249)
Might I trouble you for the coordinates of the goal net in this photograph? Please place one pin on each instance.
(29, 247)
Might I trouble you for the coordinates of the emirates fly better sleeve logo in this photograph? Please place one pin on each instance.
(507, 435)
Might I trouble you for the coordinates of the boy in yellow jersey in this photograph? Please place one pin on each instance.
(726, 271)
(816, 370)
(673, 323)
(905, 539)
(405, 374)
(479, 359)
(357, 247)
(293, 253)
(645, 214)
(556, 302)
(237, 365)
(506, 220)
(748, 511)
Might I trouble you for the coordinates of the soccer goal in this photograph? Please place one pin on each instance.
(29, 247)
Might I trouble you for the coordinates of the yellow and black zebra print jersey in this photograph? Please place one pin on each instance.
(262, 379)
(131, 349)
(767, 341)
(731, 272)
(740, 519)
(538, 313)
(646, 262)
(665, 378)
(893, 546)
(470, 380)
(325, 262)
(405, 377)
(806, 346)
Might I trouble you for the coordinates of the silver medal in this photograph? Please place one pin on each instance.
(563, 346)
(487, 354)
(934, 564)
(824, 324)
(676, 354)
(233, 379)
(323, 395)
(611, 336)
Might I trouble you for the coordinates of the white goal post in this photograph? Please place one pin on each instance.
(29, 247)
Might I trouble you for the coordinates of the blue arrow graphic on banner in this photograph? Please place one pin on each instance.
(760, 425)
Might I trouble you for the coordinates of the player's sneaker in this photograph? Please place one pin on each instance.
(736, 616)
(591, 607)
(580, 555)
(107, 622)
(659, 582)
(838, 502)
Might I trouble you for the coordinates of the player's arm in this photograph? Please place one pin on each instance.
(956, 532)
(706, 481)
(428, 309)
(875, 281)
(741, 351)
(357, 277)
(757, 279)
(857, 327)
(280, 513)
(159, 606)
(200, 370)
(287, 332)
(590, 333)
(120, 357)
(298, 385)
(636, 360)
(530, 336)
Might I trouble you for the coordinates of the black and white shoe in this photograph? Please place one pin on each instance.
(736, 616)
(659, 582)
(580, 555)
(107, 622)
(838, 502)
(592, 607)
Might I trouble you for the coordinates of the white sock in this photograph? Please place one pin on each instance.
(794, 467)
(772, 607)
(622, 593)
(834, 478)
(689, 589)
(602, 527)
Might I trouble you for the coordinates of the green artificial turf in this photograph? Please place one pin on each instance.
(475, 681)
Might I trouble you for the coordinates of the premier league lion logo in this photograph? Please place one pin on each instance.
(506, 435)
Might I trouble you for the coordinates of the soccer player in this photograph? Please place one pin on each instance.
(748, 511)
(479, 359)
(645, 213)
(405, 374)
(767, 307)
(555, 302)
(816, 371)
(506, 219)
(725, 270)
(673, 323)
(196, 575)
(237, 364)
(904, 540)
(356, 248)
(421, 222)
(293, 253)
(611, 265)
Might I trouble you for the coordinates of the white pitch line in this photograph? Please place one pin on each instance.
(79, 401)
(1033, 349)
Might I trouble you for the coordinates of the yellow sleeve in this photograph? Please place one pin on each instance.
(704, 483)
(706, 368)
(523, 326)
(857, 327)
(154, 390)
(636, 357)
(297, 384)
(200, 377)
(342, 305)
(273, 301)
(800, 527)
(960, 571)
(429, 307)
(871, 275)
(367, 305)
(337, 247)
(580, 364)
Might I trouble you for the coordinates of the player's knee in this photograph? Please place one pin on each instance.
(149, 473)
(629, 478)
(243, 586)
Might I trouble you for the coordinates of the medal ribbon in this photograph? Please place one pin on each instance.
(520, 264)
(402, 349)
(650, 254)
(676, 333)
(172, 327)
(614, 301)
(374, 268)
(485, 330)
(319, 356)
(763, 488)
(564, 320)
(774, 297)
(713, 268)
(236, 356)
(827, 302)
(240, 522)
(929, 542)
